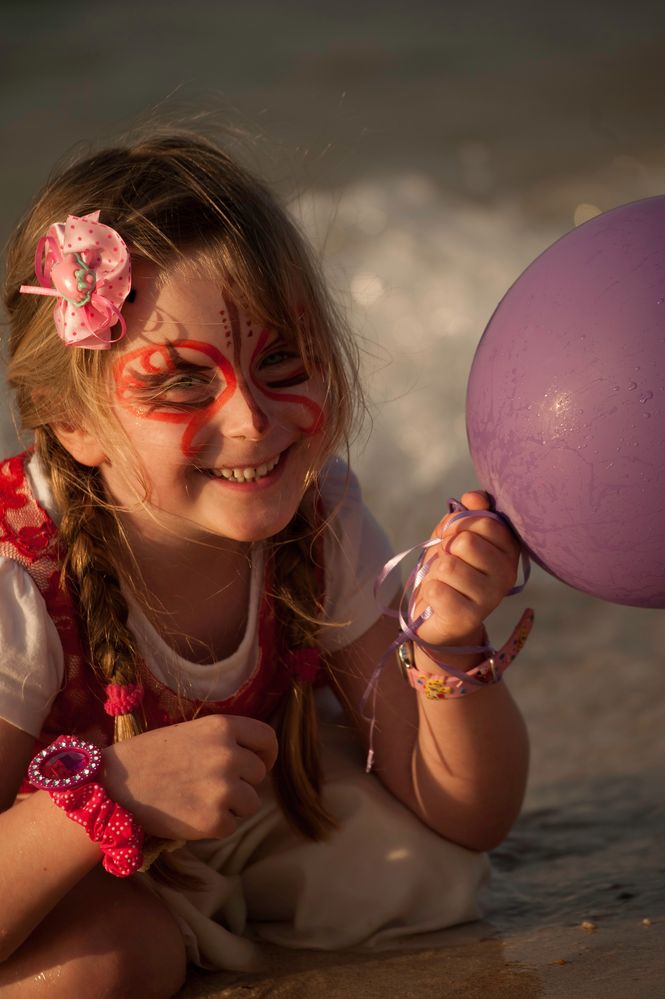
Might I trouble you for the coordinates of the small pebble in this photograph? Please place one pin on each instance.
(560, 961)
(586, 924)
(646, 922)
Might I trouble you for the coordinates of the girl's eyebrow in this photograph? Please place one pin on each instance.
(179, 365)
(176, 360)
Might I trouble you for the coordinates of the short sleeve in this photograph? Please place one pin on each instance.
(31, 659)
(356, 549)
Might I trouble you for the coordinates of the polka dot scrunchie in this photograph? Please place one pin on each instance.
(112, 827)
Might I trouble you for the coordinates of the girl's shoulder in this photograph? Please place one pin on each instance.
(32, 667)
(339, 487)
(355, 550)
(352, 525)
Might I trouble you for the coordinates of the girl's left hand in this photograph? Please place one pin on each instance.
(470, 573)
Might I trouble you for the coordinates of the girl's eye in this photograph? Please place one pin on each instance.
(282, 367)
(280, 356)
(185, 391)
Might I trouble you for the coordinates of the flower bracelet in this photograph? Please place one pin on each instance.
(451, 683)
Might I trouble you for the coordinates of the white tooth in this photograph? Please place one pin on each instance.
(249, 473)
(262, 470)
(227, 473)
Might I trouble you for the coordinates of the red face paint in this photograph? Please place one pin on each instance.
(138, 370)
(145, 377)
(273, 390)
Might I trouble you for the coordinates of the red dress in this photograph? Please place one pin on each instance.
(29, 537)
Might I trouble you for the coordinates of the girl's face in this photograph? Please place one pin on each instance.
(223, 417)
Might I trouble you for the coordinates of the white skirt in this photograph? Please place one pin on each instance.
(382, 875)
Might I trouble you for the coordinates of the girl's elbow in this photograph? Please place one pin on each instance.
(474, 828)
(484, 839)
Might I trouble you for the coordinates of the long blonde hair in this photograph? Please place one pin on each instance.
(172, 197)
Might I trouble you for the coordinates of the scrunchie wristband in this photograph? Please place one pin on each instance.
(115, 830)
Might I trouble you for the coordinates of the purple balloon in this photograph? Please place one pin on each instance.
(566, 406)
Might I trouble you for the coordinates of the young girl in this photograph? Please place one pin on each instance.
(186, 580)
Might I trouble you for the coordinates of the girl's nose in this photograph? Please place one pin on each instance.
(243, 416)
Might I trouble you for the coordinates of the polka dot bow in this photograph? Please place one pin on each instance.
(86, 265)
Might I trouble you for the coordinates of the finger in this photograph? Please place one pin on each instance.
(454, 612)
(496, 532)
(493, 528)
(256, 736)
(494, 565)
(476, 499)
(460, 577)
(486, 542)
(244, 800)
(250, 767)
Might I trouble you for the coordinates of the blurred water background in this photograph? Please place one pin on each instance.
(431, 150)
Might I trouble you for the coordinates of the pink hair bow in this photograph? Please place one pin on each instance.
(86, 265)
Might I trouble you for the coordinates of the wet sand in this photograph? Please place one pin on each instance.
(620, 962)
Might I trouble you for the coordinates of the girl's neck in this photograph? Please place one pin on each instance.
(195, 592)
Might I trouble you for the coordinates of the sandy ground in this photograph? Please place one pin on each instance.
(622, 959)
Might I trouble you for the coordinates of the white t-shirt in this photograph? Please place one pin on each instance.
(32, 665)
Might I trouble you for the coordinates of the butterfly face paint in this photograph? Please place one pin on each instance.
(223, 417)
(168, 382)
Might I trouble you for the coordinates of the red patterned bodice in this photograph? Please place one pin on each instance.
(29, 537)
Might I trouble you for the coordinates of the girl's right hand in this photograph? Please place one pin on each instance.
(193, 780)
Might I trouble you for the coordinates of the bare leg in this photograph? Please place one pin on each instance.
(109, 938)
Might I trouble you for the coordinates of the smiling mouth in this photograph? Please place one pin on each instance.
(245, 473)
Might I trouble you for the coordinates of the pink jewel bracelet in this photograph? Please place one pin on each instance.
(65, 764)
(66, 770)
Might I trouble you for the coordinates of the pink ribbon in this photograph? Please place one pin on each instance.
(86, 265)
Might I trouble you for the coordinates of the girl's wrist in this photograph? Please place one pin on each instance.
(462, 661)
(453, 680)
(70, 770)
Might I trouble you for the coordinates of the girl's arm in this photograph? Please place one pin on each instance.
(187, 781)
(43, 855)
(460, 765)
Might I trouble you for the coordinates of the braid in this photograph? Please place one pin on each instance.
(89, 535)
(297, 775)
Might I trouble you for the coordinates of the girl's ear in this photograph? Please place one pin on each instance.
(83, 445)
